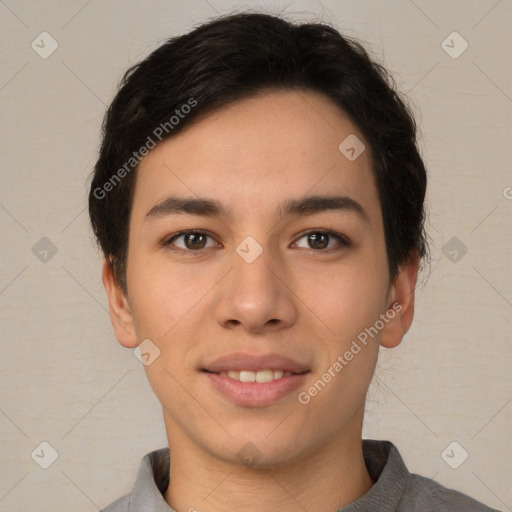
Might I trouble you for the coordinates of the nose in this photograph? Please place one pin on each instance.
(257, 295)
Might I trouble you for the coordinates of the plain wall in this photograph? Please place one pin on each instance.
(64, 378)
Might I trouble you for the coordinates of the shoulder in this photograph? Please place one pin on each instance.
(424, 495)
(398, 490)
(150, 483)
(120, 505)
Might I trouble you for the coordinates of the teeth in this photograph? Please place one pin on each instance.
(246, 376)
(261, 376)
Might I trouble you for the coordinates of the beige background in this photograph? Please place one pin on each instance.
(65, 380)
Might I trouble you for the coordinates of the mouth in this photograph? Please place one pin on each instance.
(260, 376)
(255, 381)
(247, 364)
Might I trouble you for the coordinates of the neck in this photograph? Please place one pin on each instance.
(331, 478)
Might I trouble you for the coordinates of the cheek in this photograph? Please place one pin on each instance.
(169, 308)
(349, 303)
(165, 306)
(347, 298)
(162, 296)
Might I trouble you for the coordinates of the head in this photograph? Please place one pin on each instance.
(264, 119)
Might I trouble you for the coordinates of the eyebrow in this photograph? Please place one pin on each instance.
(206, 207)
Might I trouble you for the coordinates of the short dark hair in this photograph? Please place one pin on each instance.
(238, 56)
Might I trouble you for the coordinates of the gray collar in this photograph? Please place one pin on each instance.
(382, 458)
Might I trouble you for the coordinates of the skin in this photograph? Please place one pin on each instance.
(296, 299)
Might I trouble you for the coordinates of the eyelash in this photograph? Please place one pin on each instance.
(343, 240)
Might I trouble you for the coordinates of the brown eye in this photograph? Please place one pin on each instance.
(192, 240)
(318, 240)
(321, 239)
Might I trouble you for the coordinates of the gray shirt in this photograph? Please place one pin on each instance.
(394, 490)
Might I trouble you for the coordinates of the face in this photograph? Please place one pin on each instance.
(256, 284)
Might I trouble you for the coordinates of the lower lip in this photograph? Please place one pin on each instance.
(255, 394)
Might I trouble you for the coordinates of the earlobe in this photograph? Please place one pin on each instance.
(119, 308)
(401, 301)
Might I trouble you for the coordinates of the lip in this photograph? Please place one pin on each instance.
(254, 394)
(254, 363)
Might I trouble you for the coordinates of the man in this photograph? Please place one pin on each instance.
(258, 198)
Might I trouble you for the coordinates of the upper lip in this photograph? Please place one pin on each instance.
(239, 361)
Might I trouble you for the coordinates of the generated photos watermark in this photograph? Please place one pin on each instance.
(158, 134)
(343, 360)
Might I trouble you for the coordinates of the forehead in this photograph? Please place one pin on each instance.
(276, 145)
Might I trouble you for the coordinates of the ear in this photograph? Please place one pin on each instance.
(401, 301)
(120, 314)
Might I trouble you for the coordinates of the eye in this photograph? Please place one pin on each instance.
(196, 240)
(321, 239)
(193, 240)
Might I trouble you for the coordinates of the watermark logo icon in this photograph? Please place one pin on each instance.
(44, 455)
(249, 249)
(454, 249)
(454, 455)
(454, 45)
(146, 352)
(44, 45)
(44, 250)
(249, 455)
(351, 147)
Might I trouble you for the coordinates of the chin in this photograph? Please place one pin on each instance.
(260, 452)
